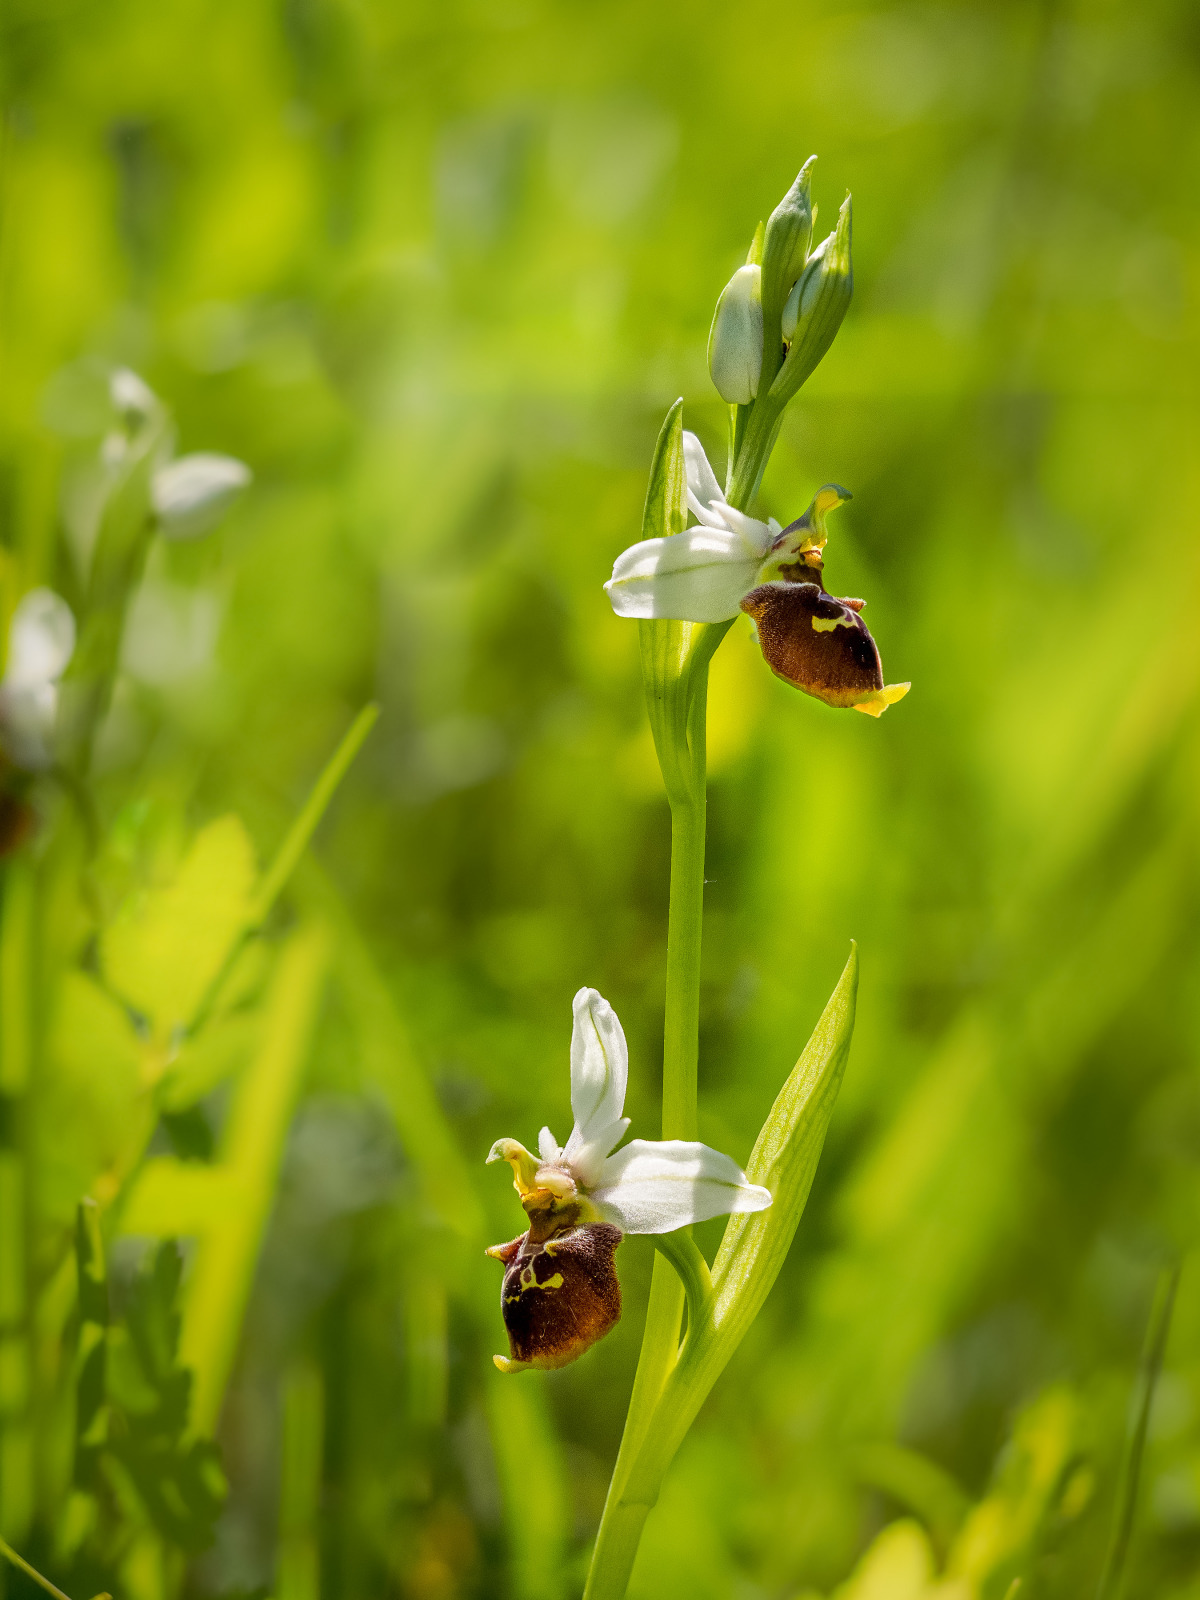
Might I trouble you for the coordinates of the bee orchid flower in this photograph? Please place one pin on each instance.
(729, 562)
(560, 1291)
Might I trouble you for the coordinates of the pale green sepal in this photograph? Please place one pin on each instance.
(755, 1245)
(675, 655)
(785, 252)
(821, 299)
(665, 510)
(755, 253)
(735, 341)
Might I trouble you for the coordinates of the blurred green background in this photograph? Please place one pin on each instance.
(435, 272)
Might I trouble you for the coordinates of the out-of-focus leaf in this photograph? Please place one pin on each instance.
(918, 1483)
(207, 1059)
(297, 1575)
(250, 1152)
(168, 944)
(536, 1511)
(177, 1477)
(90, 1111)
(898, 1566)
(170, 1199)
(1000, 1535)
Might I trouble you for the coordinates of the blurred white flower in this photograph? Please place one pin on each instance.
(41, 641)
(192, 494)
(651, 1186)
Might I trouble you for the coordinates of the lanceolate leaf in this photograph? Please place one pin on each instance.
(666, 495)
(755, 1246)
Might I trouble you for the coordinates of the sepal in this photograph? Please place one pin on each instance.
(675, 655)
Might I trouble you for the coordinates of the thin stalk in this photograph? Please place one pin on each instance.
(288, 855)
(681, 1022)
(1113, 1577)
(16, 1049)
(761, 431)
(32, 1572)
(622, 1522)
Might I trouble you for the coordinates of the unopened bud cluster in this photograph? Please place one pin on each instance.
(778, 314)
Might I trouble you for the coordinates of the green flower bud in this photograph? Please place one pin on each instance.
(785, 252)
(814, 310)
(735, 342)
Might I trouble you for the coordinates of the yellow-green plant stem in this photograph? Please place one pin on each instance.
(7, 1551)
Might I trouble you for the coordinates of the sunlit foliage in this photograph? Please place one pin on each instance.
(436, 272)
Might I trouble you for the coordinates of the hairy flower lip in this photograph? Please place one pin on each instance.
(821, 646)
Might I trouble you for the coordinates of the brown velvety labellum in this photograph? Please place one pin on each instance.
(814, 642)
(560, 1293)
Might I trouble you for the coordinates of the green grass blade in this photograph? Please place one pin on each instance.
(253, 1150)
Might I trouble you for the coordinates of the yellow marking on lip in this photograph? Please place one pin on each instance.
(828, 624)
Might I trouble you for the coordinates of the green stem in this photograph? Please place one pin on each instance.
(622, 1522)
(682, 1018)
(761, 431)
(1113, 1576)
(16, 1049)
(30, 1572)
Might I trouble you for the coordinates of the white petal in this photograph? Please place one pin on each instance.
(599, 1068)
(548, 1146)
(41, 640)
(658, 1186)
(191, 495)
(701, 479)
(756, 536)
(586, 1156)
(699, 575)
(711, 514)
